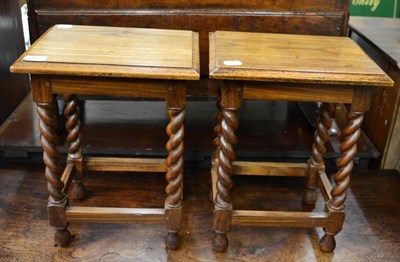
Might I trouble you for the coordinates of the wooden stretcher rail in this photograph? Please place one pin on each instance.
(67, 176)
(279, 218)
(125, 164)
(325, 186)
(269, 169)
(114, 215)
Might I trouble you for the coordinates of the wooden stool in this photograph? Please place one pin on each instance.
(293, 68)
(129, 62)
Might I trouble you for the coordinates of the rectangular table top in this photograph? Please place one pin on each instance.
(292, 58)
(113, 52)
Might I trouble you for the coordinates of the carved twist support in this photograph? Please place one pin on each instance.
(216, 142)
(174, 176)
(51, 157)
(73, 126)
(348, 149)
(316, 162)
(217, 130)
(223, 200)
(335, 206)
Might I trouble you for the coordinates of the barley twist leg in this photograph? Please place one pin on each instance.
(214, 160)
(51, 157)
(174, 176)
(335, 206)
(73, 126)
(223, 199)
(316, 162)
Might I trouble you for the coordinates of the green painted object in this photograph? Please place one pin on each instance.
(377, 8)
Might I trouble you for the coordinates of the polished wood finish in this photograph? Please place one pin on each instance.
(57, 200)
(380, 37)
(280, 5)
(114, 214)
(307, 17)
(107, 86)
(307, 93)
(75, 148)
(325, 186)
(269, 168)
(316, 165)
(76, 50)
(372, 219)
(279, 218)
(176, 102)
(67, 176)
(129, 52)
(125, 164)
(256, 169)
(294, 59)
(13, 88)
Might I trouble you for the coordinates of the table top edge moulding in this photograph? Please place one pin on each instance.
(113, 52)
(292, 58)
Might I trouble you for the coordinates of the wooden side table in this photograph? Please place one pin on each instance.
(293, 68)
(129, 62)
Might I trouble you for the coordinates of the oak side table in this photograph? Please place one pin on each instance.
(323, 69)
(129, 62)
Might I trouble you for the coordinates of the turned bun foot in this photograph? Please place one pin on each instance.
(327, 243)
(172, 240)
(220, 242)
(78, 191)
(310, 198)
(62, 237)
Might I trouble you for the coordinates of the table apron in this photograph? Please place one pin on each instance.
(290, 92)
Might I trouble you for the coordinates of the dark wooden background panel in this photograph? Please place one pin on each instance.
(13, 87)
(293, 5)
(299, 17)
(199, 21)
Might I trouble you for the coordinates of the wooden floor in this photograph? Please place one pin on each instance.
(371, 231)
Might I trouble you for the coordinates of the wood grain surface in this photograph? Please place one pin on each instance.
(277, 5)
(370, 233)
(269, 168)
(315, 17)
(114, 215)
(304, 92)
(292, 58)
(125, 164)
(279, 218)
(113, 51)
